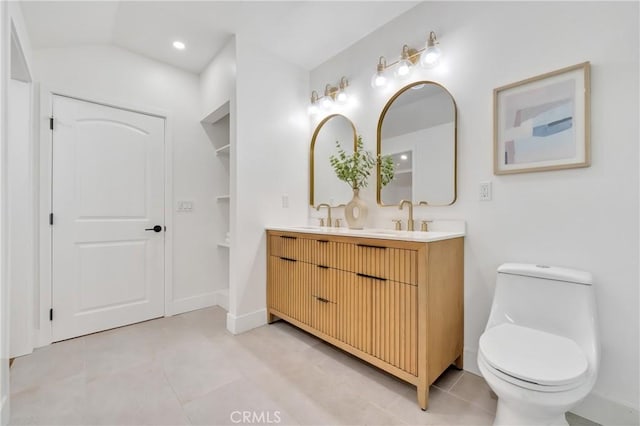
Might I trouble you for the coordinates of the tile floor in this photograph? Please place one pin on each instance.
(188, 369)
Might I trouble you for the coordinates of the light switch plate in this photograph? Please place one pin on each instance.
(185, 206)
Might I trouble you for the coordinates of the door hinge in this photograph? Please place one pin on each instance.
(51, 314)
(50, 218)
(51, 123)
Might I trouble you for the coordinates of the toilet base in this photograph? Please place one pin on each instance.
(519, 406)
(508, 416)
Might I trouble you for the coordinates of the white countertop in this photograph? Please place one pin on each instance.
(385, 234)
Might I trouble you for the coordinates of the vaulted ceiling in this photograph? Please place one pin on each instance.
(305, 32)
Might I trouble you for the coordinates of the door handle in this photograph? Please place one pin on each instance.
(156, 228)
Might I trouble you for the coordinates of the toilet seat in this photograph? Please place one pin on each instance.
(533, 359)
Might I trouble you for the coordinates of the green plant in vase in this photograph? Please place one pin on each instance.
(355, 169)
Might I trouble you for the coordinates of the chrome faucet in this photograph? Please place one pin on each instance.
(410, 220)
(328, 212)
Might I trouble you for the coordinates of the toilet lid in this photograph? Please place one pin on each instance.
(532, 355)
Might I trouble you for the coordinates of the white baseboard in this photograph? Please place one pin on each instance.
(187, 304)
(599, 409)
(595, 407)
(470, 361)
(4, 411)
(222, 299)
(241, 323)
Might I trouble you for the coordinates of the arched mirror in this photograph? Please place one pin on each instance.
(324, 186)
(417, 128)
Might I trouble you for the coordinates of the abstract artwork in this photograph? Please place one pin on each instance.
(542, 123)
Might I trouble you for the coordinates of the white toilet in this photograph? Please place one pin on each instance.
(540, 350)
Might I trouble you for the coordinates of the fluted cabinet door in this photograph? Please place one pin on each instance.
(354, 310)
(395, 324)
(290, 288)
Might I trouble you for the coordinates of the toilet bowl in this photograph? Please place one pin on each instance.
(540, 351)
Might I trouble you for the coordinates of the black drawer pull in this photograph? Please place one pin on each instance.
(323, 266)
(322, 299)
(289, 237)
(288, 259)
(322, 241)
(370, 246)
(370, 276)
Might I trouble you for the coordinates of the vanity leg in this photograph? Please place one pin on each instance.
(458, 363)
(271, 318)
(423, 397)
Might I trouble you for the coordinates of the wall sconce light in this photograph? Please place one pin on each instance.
(331, 96)
(429, 57)
(314, 106)
(342, 97)
(407, 59)
(379, 79)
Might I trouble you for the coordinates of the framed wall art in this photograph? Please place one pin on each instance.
(542, 123)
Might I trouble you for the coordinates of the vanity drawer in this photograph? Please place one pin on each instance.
(290, 247)
(379, 261)
(318, 251)
(324, 282)
(323, 252)
(324, 303)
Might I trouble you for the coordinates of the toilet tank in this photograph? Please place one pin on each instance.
(552, 299)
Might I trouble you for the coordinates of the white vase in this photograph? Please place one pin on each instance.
(356, 211)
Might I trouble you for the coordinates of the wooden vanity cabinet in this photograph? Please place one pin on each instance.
(396, 304)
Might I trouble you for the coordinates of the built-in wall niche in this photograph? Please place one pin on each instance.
(417, 127)
(217, 127)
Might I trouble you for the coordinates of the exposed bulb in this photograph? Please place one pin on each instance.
(342, 97)
(430, 57)
(404, 68)
(326, 102)
(313, 109)
(313, 106)
(379, 79)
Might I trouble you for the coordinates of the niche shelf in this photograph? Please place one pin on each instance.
(224, 150)
(217, 127)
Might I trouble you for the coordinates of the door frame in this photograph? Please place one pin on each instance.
(45, 331)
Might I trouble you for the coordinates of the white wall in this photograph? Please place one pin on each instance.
(269, 160)
(15, 13)
(17, 253)
(4, 286)
(218, 79)
(22, 199)
(217, 87)
(20, 219)
(112, 75)
(583, 218)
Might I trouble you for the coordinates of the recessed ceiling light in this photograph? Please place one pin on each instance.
(178, 45)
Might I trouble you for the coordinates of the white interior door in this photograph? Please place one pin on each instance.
(108, 191)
